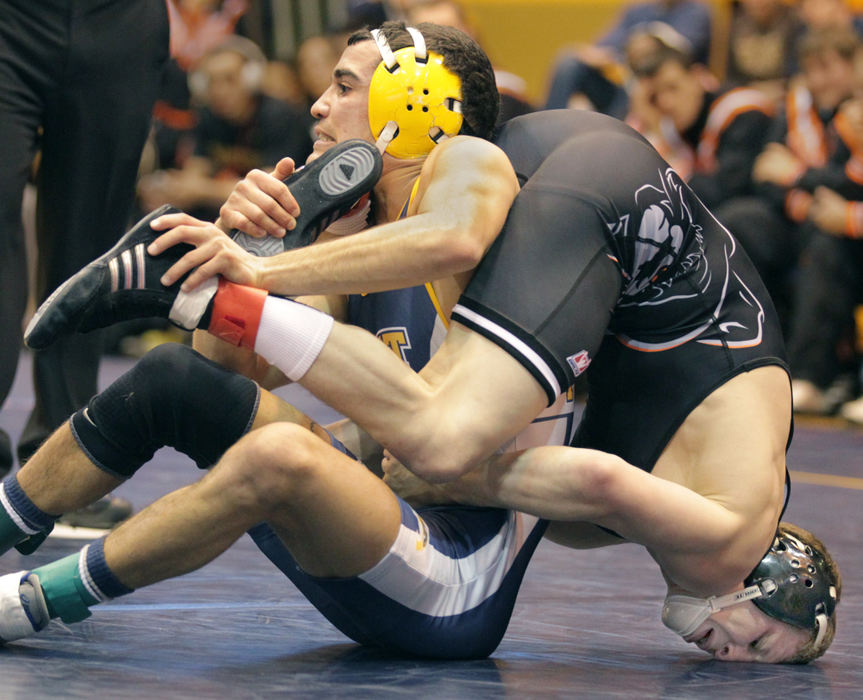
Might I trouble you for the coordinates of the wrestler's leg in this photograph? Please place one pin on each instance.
(60, 477)
(335, 517)
(173, 397)
(439, 422)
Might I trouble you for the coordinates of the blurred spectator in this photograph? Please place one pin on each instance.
(593, 76)
(77, 83)
(714, 136)
(644, 51)
(371, 13)
(804, 151)
(761, 45)
(282, 83)
(316, 57)
(239, 128)
(196, 27)
(822, 346)
(820, 15)
(512, 88)
(199, 25)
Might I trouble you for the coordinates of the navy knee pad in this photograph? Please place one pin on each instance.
(173, 396)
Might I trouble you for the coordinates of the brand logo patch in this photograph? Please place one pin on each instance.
(579, 362)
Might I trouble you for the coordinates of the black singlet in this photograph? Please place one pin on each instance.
(608, 261)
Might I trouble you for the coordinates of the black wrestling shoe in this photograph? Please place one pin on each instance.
(120, 285)
(325, 189)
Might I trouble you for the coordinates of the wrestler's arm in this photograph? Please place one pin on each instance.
(468, 186)
(471, 398)
(248, 363)
(698, 541)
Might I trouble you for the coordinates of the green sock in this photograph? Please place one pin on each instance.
(65, 593)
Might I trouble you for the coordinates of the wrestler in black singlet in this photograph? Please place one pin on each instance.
(609, 261)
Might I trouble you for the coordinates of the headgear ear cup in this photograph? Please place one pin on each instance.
(416, 96)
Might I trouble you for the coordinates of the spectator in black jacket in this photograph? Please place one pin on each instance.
(720, 134)
(238, 128)
(806, 149)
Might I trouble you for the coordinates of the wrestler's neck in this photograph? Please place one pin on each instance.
(394, 186)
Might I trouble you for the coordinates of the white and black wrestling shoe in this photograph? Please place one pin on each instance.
(23, 610)
(123, 283)
(325, 189)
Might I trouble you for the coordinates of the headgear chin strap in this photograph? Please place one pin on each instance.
(414, 100)
(791, 583)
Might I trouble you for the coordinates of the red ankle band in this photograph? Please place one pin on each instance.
(237, 313)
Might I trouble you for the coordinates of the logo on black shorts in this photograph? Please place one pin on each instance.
(579, 362)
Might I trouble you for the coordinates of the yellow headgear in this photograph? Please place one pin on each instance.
(414, 101)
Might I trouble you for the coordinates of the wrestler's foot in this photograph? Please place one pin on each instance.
(325, 189)
(120, 285)
(23, 610)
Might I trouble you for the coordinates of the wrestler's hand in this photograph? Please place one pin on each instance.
(261, 204)
(409, 486)
(215, 253)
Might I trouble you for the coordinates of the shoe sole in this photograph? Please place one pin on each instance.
(326, 189)
(60, 311)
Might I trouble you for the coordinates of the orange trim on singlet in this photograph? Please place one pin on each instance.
(722, 113)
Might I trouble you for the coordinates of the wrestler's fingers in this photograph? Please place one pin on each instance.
(168, 221)
(284, 169)
(265, 215)
(181, 233)
(274, 185)
(216, 265)
(264, 201)
(191, 260)
(237, 221)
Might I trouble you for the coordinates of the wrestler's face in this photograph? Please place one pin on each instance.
(678, 94)
(343, 110)
(743, 633)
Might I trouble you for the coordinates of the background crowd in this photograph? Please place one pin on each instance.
(763, 116)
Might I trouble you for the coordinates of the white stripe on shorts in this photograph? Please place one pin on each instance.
(433, 583)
